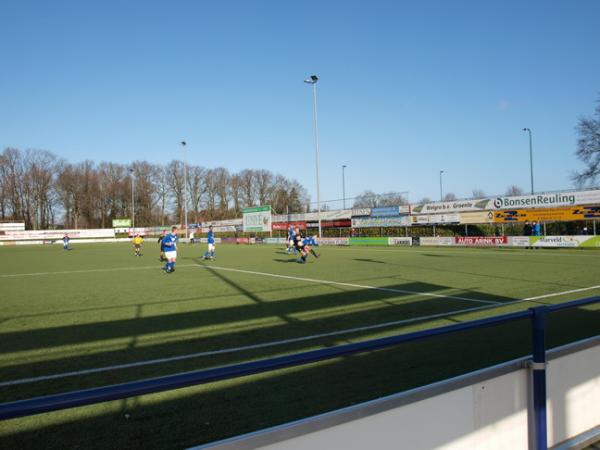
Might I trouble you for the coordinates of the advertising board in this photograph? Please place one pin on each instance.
(360, 212)
(370, 222)
(257, 219)
(12, 226)
(368, 241)
(57, 234)
(388, 211)
(120, 223)
(426, 219)
(481, 241)
(284, 226)
(547, 200)
(401, 241)
(436, 241)
(564, 241)
(333, 241)
(548, 214)
(476, 217)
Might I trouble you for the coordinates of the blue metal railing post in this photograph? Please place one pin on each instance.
(538, 323)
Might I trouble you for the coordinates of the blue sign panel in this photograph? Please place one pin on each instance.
(388, 211)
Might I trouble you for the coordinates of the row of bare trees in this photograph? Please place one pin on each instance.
(44, 190)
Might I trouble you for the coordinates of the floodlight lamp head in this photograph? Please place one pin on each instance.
(312, 80)
(183, 143)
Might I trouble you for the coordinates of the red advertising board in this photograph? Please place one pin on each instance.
(342, 223)
(481, 241)
(286, 225)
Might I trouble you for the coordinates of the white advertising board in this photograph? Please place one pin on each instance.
(257, 219)
(12, 226)
(371, 222)
(549, 200)
(427, 219)
(333, 241)
(402, 241)
(435, 241)
(57, 234)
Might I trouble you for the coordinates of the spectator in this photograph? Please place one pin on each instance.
(527, 231)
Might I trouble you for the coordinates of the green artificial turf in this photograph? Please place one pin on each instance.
(99, 306)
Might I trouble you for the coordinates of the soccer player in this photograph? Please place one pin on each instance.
(161, 258)
(192, 240)
(299, 244)
(169, 247)
(66, 242)
(210, 253)
(307, 244)
(290, 240)
(137, 244)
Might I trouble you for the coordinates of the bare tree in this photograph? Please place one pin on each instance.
(247, 187)
(450, 197)
(513, 191)
(175, 181)
(367, 199)
(235, 193)
(392, 199)
(264, 181)
(160, 176)
(222, 187)
(478, 193)
(210, 183)
(588, 148)
(196, 189)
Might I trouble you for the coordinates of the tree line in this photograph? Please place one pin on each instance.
(45, 191)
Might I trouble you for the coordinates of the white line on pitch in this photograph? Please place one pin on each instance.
(281, 342)
(509, 251)
(399, 291)
(339, 283)
(556, 294)
(68, 272)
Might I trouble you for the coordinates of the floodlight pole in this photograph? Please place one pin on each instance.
(344, 187)
(530, 157)
(313, 80)
(185, 212)
(131, 171)
(441, 190)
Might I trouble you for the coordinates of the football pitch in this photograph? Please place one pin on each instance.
(97, 315)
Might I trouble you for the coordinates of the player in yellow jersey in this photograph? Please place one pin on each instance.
(137, 244)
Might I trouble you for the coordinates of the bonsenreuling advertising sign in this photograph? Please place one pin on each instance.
(551, 200)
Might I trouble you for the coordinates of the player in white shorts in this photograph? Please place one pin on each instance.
(169, 247)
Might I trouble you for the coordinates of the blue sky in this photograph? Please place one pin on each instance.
(406, 88)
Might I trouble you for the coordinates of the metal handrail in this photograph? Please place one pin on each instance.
(72, 399)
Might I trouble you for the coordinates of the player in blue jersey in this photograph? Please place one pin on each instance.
(66, 242)
(210, 236)
(307, 247)
(169, 247)
(290, 240)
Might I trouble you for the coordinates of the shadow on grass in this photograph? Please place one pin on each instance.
(219, 410)
(405, 296)
(367, 260)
